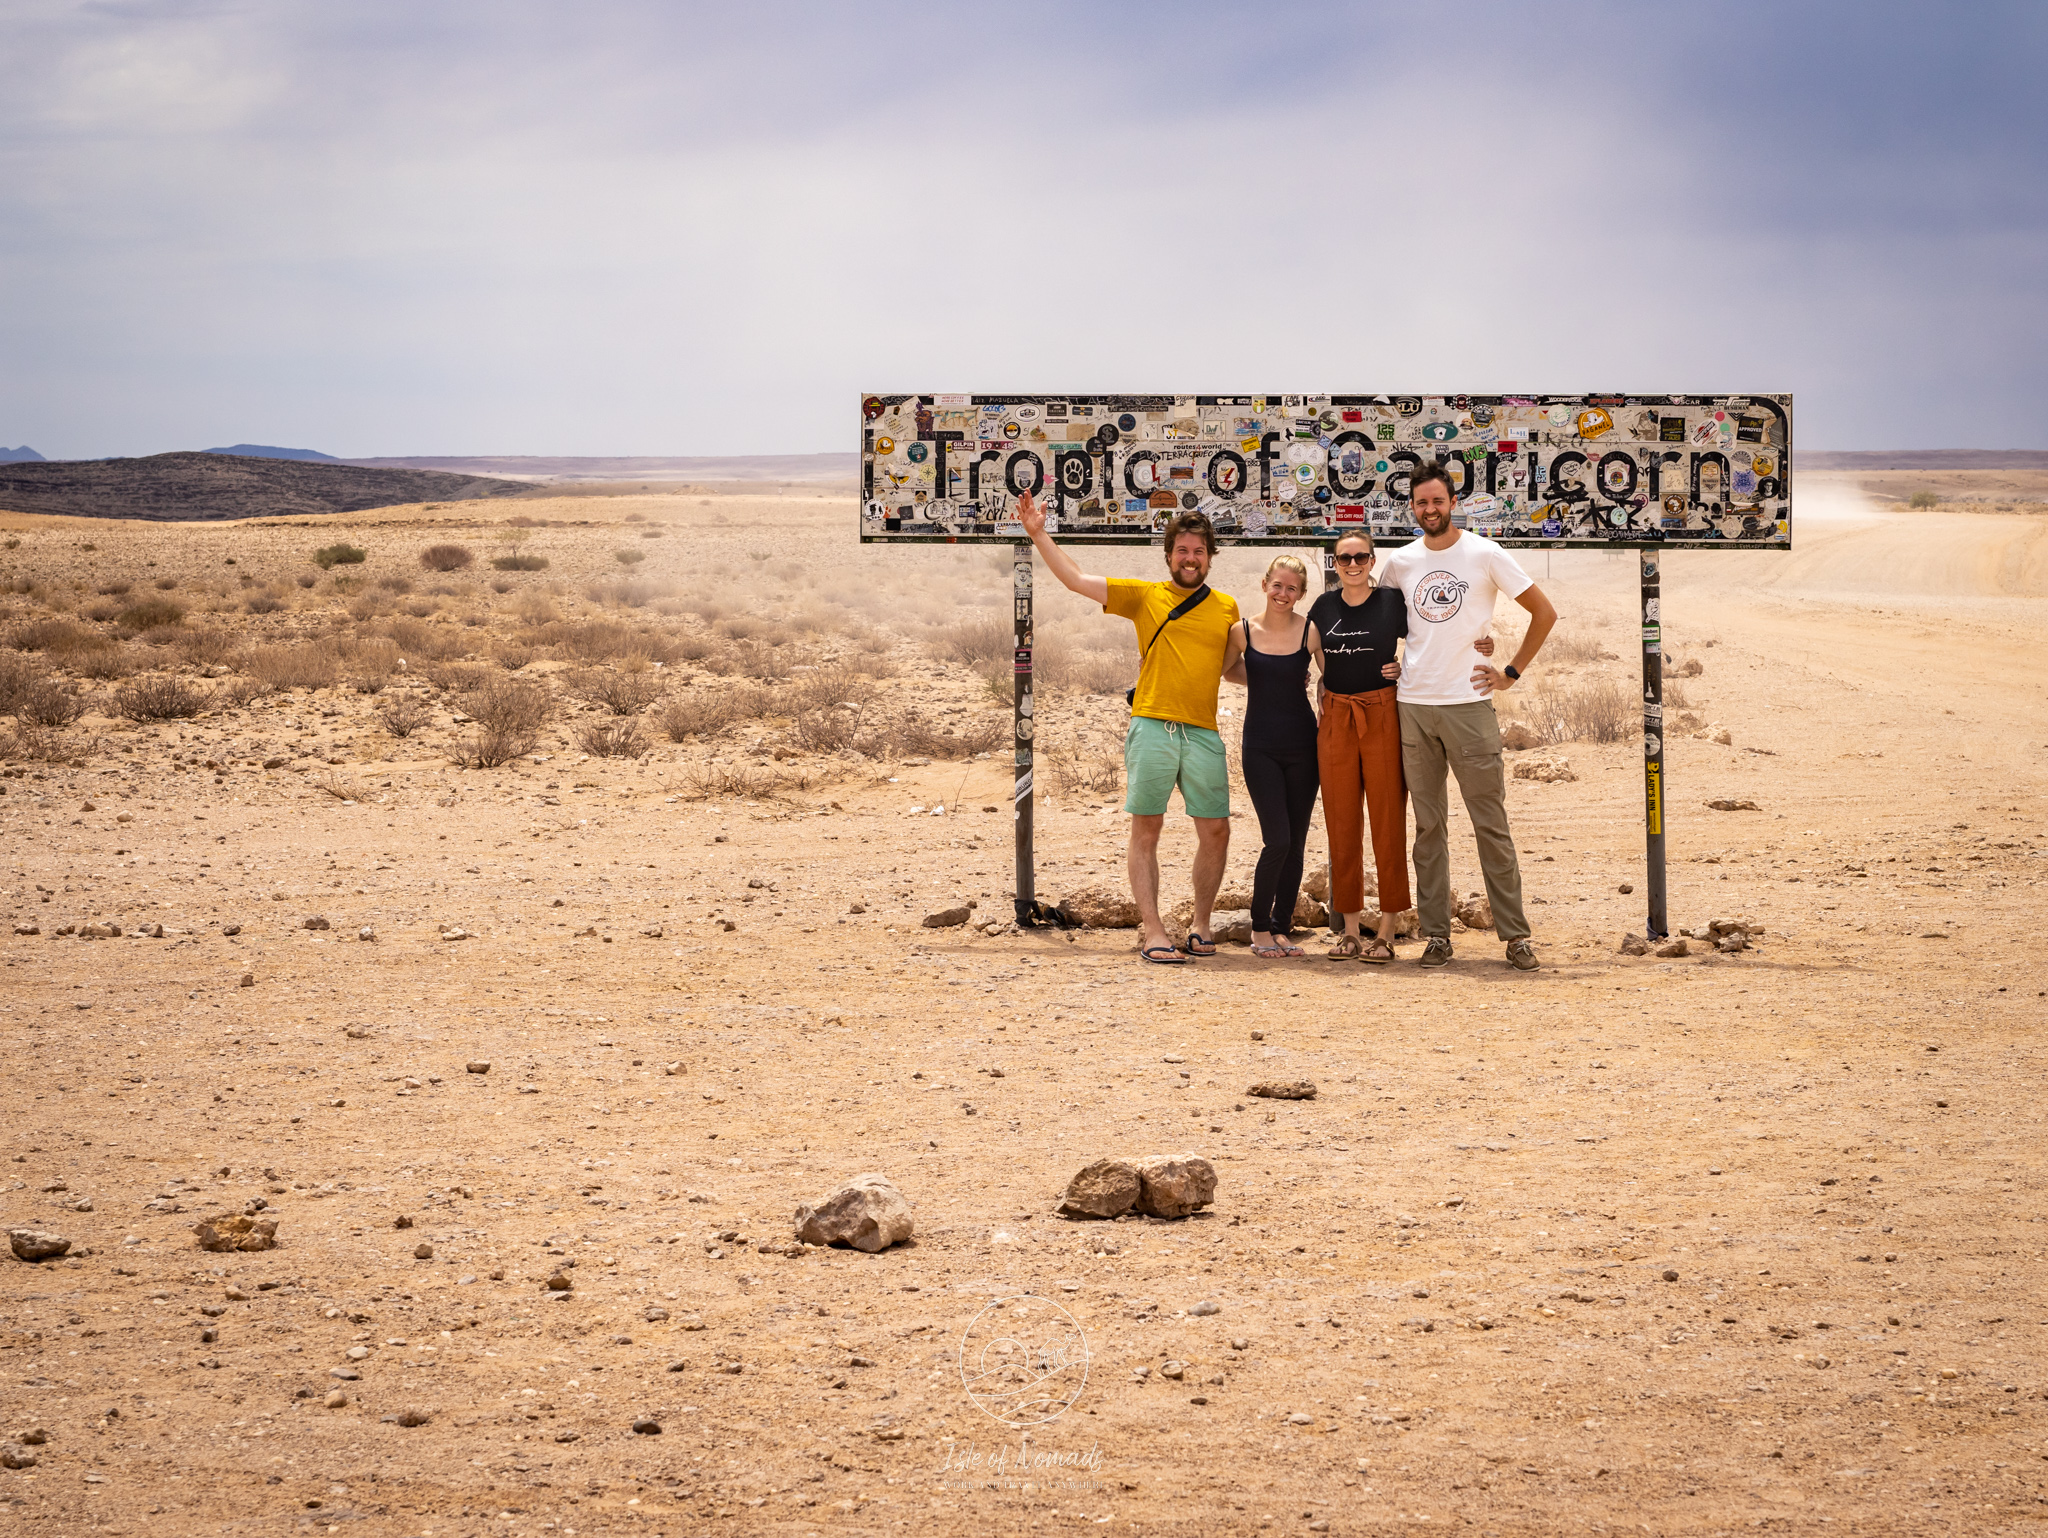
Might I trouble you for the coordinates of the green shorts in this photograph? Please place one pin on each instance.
(1159, 755)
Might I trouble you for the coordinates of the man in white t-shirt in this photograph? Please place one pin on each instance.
(1450, 578)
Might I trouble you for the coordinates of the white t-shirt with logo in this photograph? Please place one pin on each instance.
(1450, 595)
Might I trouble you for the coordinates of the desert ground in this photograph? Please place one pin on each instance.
(1709, 1244)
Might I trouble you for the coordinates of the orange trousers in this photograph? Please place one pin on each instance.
(1358, 752)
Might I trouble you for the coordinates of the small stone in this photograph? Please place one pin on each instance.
(1174, 1185)
(414, 1417)
(317, 921)
(1727, 740)
(273, 763)
(946, 918)
(248, 980)
(857, 908)
(422, 1252)
(1634, 945)
(1205, 1308)
(647, 1426)
(560, 1282)
(1258, 1035)
(652, 932)
(34, 1244)
(655, 1314)
(1730, 804)
(1517, 738)
(529, 1089)
(672, 1069)
(335, 1400)
(1548, 771)
(28, 929)
(237, 1234)
(1174, 1370)
(1670, 1276)
(476, 1065)
(357, 1353)
(1625, 888)
(1299, 1089)
(1477, 913)
(401, 1221)
(15, 1456)
(1239, 1343)
(1108, 1188)
(456, 933)
(1676, 946)
(1298, 1419)
(346, 1374)
(868, 1212)
(366, 933)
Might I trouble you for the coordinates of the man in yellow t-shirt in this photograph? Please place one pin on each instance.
(1172, 738)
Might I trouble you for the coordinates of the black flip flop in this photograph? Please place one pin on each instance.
(1197, 946)
(1163, 956)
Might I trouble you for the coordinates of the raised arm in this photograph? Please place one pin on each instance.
(1057, 561)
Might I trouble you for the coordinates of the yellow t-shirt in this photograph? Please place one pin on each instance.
(1184, 668)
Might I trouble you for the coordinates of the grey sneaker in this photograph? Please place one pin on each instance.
(1437, 953)
(1522, 956)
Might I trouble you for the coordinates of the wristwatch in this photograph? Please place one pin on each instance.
(1512, 672)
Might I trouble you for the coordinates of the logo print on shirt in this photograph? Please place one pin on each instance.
(1439, 596)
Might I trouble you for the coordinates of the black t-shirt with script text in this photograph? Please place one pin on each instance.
(1359, 641)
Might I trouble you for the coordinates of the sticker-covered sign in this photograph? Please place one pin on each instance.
(1694, 471)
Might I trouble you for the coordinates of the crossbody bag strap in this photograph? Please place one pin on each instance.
(1178, 610)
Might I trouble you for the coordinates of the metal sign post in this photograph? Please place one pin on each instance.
(1653, 744)
(1024, 728)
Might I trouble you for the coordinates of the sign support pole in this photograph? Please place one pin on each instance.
(1653, 743)
(1024, 730)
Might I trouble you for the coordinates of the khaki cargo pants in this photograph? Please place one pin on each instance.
(1466, 740)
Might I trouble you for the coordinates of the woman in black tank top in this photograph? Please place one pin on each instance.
(1279, 750)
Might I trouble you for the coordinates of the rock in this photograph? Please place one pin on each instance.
(1477, 912)
(476, 1065)
(34, 1244)
(1548, 770)
(1634, 945)
(1205, 1308)
(947, 918)
(529, 1089)
(401, 1221)
(335, 1400)
(1310, 912)
(673, 1070)
(652, 932)
(15, 1456)
(1732, 926)
(1676, 946)
(1405, 925)
(317, 921)
(1727, 804)
(366, 933)
(236, 1233)
(1690, 668)
(1175, 1370)
(1316, 883)
(1300, 1089)
(655, 1314)
(1626, 888)
(248, 980)
(1174, 1185)
(28, 929)
(1100, 907)
(1234, 926)
(1725, 737)
(559, 1282)
(1108, 1188)
(422, 1252)
(1731, 943)
(647, 1426)
(414, 1417)
(456, 932)
(1670, 1276)
(273, 763)
(868, 1213)
(1517, 738)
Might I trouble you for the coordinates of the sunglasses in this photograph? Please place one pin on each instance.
(1355, 560)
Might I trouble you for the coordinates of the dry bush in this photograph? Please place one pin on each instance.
(392, 582)
(744, 780)
(339, 555)
(625, 595)
(100, 613)
(446, 557)
(160, 697)
(239, 691)
(601, 640)
(370, 606)
(163, 635)
(761, 659)
(1057, 666)
(113, 589)
(535, 608)
(304, 665)
(151, 613)
(205, 647)
(693, 648)
(61, 639)
(828, 708)
(1567, 646)
(1676, 694)
(706, 711)
(17, 676)
(654, 533)
(914, 733)
(263, 601)
(458, 677)
(46, 702)
(346, 583)
(613, 739)
(33, 744)
(975, 639)
(404, 714)
(166, 584)
(511, 656)
(1596, 710)
(427, 643)
(622, 693)
(109, 664)
(629, 557)
(508, 714)
(423, 608)
(308, 580)
(1085, 770)
(370, 662)
(520, 562)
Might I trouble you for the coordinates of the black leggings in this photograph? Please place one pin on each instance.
(1283, 791)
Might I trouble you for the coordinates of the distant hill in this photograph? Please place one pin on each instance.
(1923, 459)
(810, 468)
(203, 486)
(21, 456)
(267, 451)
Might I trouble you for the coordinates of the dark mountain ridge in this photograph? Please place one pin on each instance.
(191, 487)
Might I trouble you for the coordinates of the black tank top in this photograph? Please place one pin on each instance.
(1277, 717)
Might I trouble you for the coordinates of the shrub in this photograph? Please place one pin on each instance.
(508, 714)
(623, 694)
(240, 691)
(704, 712)
(205, 647)
(1563, 646)
(913, 733)
(459, 677)
(404, 714)
(17, 676)
(519, 563)
(446, 557)
(629, 557)
(160, 697)
(427, 643)
(113, 589)
(166, 584)
(46, 702)
(500, 585)
(307, 579)
(263, 603)
(828, 708)
(35, 744)
(370, 664)
(1597, 710)
(61, 638)
(111, 663)
(328, 556)
(422, 608)
(980, 638)
(101, 612)
(308, 665)
(151, 613)
(613, 739)
(1923, 499)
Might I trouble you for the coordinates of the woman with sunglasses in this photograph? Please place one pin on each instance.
(1358, 747)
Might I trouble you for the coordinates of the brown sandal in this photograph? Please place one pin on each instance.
(1347, 948)
(1379, 953)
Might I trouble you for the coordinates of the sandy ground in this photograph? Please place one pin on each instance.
(1704, 1245)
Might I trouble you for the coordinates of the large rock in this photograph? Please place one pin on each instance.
(34, 1244)
(1310, 912)
(1108, 1188)
(237, 1233)
(868, 1213)
(1517, 738)
(1316, 883)
(1280, 1089)
(947, 918)
(1634, 945)
(1476, 912)
(1100, 907)
(1548, 770)
(1174, 1185)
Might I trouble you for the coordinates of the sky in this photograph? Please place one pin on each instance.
(614, 227)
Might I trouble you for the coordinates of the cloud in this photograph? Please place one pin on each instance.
(622, 228)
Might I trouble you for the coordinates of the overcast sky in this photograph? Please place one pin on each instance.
(671, 228)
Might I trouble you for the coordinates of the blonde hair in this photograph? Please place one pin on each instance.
(1293, 564)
